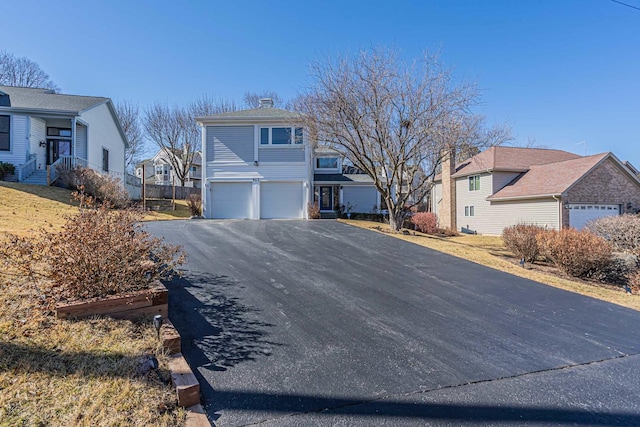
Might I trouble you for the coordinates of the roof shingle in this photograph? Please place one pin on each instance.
(44, 99)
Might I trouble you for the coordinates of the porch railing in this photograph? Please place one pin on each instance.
(63, 162)
(26, 169)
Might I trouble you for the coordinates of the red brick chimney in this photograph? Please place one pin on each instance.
(447, 213)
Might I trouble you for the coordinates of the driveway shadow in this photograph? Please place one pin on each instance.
(218, 330)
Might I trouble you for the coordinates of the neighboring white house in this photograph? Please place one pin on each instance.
(40, 129)
(158, 170)
(504, 186)
(256, 164)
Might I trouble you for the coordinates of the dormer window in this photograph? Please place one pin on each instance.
(327, 163)
(280, 136)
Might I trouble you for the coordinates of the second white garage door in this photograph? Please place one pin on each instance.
(281, 200)
(230, 200)
(579, 215)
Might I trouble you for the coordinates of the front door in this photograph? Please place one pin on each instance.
(326, 198)
(57, 148)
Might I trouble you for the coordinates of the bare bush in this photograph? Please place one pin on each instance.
(634, 282)
(98, 252)
(103, 188)
(576, 253)
(314, 210)
(623, 232)
(194, 203)
(521, 240)
(425, 222)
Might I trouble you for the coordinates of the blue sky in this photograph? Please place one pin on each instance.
(565, 73)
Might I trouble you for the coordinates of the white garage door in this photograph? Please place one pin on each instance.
(579, 215)
(230, 200)
(281, 200)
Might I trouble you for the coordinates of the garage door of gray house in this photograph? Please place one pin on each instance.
(579, 215)
(230, 200)
(281, 200)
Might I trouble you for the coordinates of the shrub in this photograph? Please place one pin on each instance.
(425, 222)
(521, 240)
(623, 232)
(103, 188)
(576, 253)
(98, 252)
(314, 210)
(634, 281)
(194, 203)
(6, 169)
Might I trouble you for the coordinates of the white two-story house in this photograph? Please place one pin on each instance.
(256, 164)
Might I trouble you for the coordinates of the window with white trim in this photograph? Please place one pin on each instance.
(280, 135)
(469, 211)
(474, 183)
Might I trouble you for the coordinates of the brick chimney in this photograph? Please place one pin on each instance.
(447, 212)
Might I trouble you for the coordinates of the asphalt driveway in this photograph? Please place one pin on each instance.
(319, 323)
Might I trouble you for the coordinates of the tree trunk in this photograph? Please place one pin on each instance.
(395, 221)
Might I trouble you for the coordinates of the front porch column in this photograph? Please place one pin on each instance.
(73, 141)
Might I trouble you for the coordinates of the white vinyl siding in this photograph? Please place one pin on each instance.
(81, 141)
(39, 134)
(18, 140)
(230, 200)
(436, 197)
(361, 199)
(541, 212)
(103, 133)
(477, 199)
(281, 200)
(230, 144)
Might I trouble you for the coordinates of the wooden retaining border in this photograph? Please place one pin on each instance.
(148, 303)
(182, 377)
(144, 303)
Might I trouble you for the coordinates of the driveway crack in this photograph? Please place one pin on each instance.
(446, 387)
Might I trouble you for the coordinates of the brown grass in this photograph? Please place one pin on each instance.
(71, 373)
(490, 252)
(76, 373)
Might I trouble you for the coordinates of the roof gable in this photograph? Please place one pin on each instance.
(511, 159)
(550, 179)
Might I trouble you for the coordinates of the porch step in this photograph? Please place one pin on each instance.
(39, 177)
(328, 215)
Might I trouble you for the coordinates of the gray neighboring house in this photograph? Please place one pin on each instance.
(40, 129)
(504, 186)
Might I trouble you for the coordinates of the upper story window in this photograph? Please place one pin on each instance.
(327, 163)
(280, 136)
(5, 132)
(474, 183)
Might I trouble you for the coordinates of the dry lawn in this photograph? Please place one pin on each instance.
(490, 252)
(71, 373)
(76, 373)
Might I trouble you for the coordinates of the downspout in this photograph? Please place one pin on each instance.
(559, 200)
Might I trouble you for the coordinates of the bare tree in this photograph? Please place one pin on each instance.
(394, 120)
(23, 72)
(173, 129)
(129, 116)
(252, 99)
